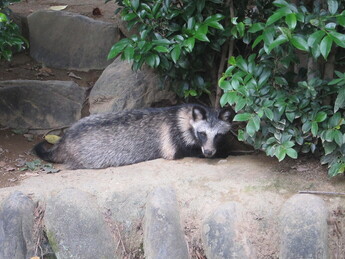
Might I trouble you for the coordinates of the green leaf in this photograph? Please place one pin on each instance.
(152, 60)
(117, 48)
(135, 4)
(338, 137)
(129, 17)
(299, 43)
(240, 135)
(128, 53)
(225, 85)
(175, 53)
(215, 24)
(256, 121)
(251, 128)
(3, 17)
(314, 128)
(278, 41)
(162, 49)
(240, 28)
(200, 4)
(336, 168)
(332, 6)
(320, 116)
(278, 15)
(292, 153)
(280, 153)
(338, 38)
(161, 42)
(329, 147)
(280, 80)
(257, 41)
(269, 114)
(216, 17)
(240, 103)
(340, 101)
(315, 38)
(341, 20)
(290, 116)
(325, 46)
(242, 117)
(189, 43)
(256, 27)
(291, 20)
(200, 34)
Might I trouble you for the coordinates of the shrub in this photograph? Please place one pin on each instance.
(10, 37)
(281, 78)
(180, 39)
(288, 107)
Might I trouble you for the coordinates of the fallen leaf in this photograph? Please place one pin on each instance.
(52, 139)
(10, 169)
(96, 12)
(29, 137)
(71, 74)
(58, 7)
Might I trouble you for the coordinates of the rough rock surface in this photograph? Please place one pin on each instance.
(127, 209)
(76, 227)
(31, 104)
(225, 234)
(16, 227)
(119, 88)
(304, 228)
(163, 235)
(70, 41)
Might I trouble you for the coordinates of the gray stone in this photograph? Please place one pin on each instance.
(76, 228)
(70, 41)
(127, 210)
(224, 233)
(16, 227)
(163, 236)
(31, 104)
(119, 88)
(303, 229)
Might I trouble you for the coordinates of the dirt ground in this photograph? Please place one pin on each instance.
(260, 183)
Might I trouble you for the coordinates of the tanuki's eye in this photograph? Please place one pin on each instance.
(202, 135)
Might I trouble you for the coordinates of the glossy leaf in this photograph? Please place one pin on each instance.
(291, 20)
(299, 43)
(242, 117)
(175, 53)
(325, 46)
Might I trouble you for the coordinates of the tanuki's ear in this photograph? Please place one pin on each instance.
(226, 114)
(199, 113)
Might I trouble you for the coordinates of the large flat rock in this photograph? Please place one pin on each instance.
(70, 41)
(260, 184)
(31, 104)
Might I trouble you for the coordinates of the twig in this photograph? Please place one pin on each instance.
(227, 51)
(322, 193)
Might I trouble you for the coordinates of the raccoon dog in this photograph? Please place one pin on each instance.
(115, 139)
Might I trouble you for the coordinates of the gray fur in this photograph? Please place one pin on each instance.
(116, 139)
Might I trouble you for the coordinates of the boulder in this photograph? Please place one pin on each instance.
(119, 88)
(17, 227)
(225, 235)
(303, 230)
(163, 235)
(126, 209)
(76, 228)
(31, 104)
(67, 40)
